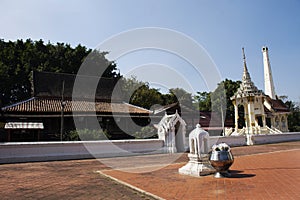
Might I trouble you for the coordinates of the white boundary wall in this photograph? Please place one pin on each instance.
(230, 140)
(274, 138)
(47, 151)
(256, 139)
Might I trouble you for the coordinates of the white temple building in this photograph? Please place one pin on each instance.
(263, 112)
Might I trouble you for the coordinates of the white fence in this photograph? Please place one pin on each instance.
(256, 139)
(230, 140)
(274, 138)
(46, 151)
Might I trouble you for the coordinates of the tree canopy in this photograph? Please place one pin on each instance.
(294, 116)
(19, 58)
(208, 101)
(141, 94)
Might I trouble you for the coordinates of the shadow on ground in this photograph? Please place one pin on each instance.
(239, 174)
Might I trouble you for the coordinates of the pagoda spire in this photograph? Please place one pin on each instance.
(247, 87)
(246, 76)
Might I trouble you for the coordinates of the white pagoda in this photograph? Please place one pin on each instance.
(263, 113)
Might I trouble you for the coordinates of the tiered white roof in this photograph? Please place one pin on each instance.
(247, 87)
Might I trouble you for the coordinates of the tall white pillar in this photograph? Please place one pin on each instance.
(264, 120)
(269, 84)
(236, 116)
(251, 116)
(246, 117)
(286, 124)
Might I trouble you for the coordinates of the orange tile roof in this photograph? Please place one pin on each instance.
(278, 105)
(44, 105)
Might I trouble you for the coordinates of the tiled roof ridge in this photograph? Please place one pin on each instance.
(277, 104)
(18, 103)
(138, 107)
(53, 105)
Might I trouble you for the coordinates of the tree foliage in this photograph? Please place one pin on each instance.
(129, 86)
(202, 101)
(146, 97)
(141, 94)
(86, 135)
(181, 96)
(220, 97)
(146, 132)
(294, 116)
(19, 58)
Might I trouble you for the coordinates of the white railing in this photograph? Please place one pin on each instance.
(276, 130)
(228, 131)
(273, 130)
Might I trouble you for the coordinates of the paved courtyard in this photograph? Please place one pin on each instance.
(259, 172)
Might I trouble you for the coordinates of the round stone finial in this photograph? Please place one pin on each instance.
(264, 48)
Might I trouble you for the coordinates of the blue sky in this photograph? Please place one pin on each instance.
(221, 27)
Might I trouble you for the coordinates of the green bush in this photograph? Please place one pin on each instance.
(86, 134)
(146, 132)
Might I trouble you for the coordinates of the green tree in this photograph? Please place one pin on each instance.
(169, 98)
(129, 86)
(146, 97)
(294, 116)
(221, 96)
(139, 93)
(19, 58)
(85, 135)
(97, 62)
(182, 96)
(202, 101)
(219, 100)
(146, 132)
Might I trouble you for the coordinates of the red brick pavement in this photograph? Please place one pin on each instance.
(75, 179)
(273, 175)
(261, 176)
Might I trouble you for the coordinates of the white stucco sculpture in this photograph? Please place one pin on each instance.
(172, 129)
(198, 164)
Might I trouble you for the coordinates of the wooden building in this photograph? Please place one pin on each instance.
(52, 110)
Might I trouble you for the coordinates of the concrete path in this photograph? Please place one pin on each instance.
(259, 172)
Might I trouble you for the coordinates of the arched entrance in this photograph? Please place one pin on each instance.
(241, 117)
(259, 120)
(172, 129)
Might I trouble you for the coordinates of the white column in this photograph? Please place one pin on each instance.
(286, 123)
(272, 121)
(251, 116)
(236, 116)
(263, 112)
(173, 140)
(269, 84)
(264, 120)
(246, 117)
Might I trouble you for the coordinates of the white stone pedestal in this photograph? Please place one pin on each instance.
(197, 167)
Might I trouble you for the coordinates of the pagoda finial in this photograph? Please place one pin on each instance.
(247, 87)
(244, 59)
(246, 75)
